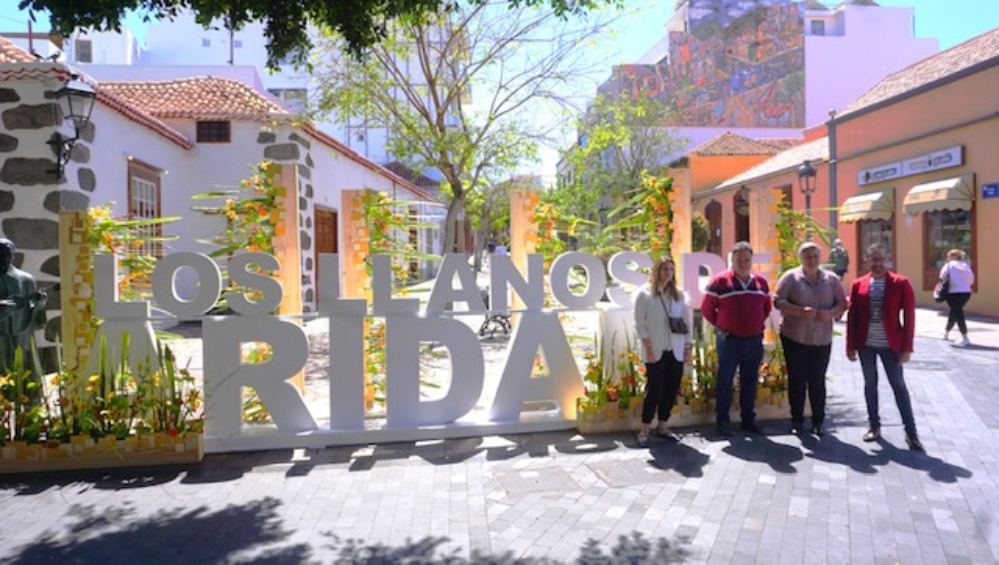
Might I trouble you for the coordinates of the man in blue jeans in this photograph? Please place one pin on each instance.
(737, 303)
(881, 324)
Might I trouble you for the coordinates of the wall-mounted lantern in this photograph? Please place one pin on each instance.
(76, 102)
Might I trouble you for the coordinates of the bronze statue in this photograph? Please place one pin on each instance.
(22, 311)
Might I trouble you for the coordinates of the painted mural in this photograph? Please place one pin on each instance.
(742, 64)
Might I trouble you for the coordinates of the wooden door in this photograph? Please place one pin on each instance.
(325, 234)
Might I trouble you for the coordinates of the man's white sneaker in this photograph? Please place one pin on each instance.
(964, 342)
(947, 336)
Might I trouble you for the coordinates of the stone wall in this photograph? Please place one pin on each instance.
(32, 196)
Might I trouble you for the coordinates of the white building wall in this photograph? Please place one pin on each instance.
(878, 41)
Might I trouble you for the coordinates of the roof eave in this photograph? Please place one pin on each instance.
(921, 89)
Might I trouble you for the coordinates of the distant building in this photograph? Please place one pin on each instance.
(769, 68)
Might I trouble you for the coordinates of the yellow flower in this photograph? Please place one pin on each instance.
(94, 379)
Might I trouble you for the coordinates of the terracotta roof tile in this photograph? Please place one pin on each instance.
(979, 49)
(790, 159)
(10, 53)
(202, 98)
(731, 144)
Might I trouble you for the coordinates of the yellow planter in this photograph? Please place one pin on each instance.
(84, 453)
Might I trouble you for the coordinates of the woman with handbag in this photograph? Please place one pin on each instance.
(810, 298)
(959, 277)
(663, 321)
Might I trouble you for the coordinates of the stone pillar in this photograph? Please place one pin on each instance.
(286, 245)
(32, 196)
(523, 231)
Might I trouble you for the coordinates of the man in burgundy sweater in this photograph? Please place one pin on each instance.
(737, 303)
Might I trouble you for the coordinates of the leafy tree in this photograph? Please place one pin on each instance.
(417, 84)
(620, 139)
(362, 23)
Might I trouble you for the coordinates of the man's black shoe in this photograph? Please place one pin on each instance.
(724, 430)
(817, 431)
(753, 428)
(914, 443)
(797, 428)
(873, 434)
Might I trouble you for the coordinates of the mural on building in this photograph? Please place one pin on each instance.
(741, 64)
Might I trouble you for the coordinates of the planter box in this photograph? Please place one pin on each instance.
(106, 453)
(772, 406)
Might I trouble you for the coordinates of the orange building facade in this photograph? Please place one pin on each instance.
(912, 164)
(918, 168)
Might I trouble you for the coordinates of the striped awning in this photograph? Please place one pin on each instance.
(878, 205)
(956, 193)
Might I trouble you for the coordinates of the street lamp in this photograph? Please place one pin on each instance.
(806, 182)
(76, 101)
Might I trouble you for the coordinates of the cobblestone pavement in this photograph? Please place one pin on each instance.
(561, 497)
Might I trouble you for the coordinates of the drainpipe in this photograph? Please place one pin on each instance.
(833, 204)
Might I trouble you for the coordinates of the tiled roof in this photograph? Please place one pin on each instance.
(202, 98)
(732, 144)
(10, 53)
(784, 161)
(217, 98)
(24, 66)
(979, 49)
(782, 143)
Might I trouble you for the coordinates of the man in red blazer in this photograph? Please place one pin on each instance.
(881, 324)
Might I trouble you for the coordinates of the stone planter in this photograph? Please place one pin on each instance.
(105, 453)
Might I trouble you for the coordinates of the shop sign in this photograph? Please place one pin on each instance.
(990, 190)
(406, 327)
(935, 161)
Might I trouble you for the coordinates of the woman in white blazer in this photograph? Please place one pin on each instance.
(664, 351)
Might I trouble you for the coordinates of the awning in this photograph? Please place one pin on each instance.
(878, 205)
(955, 193)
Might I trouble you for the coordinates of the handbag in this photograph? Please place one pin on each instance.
(941, 291)
(677, 326)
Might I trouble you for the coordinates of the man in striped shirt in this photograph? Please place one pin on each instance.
(881, 324)
(737, 303)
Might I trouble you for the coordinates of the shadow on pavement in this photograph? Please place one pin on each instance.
(830, 449)
(680, 458)
(255, 532)
(938, 469)
(761, 449)
(252, 531)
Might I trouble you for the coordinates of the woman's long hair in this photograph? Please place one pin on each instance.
(656, 282)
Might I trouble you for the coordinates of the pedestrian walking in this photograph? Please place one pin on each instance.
(959, 277)
(810, 298)
(737, 303)
(839, 258)
(881, 324)
(663, 321)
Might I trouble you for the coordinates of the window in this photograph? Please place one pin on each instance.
(84, 51)
(818, 27)
(214, 132)
(871, 232)
(205, 42)
(144, 204)
(942, 231)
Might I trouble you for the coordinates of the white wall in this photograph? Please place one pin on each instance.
(878, 41)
